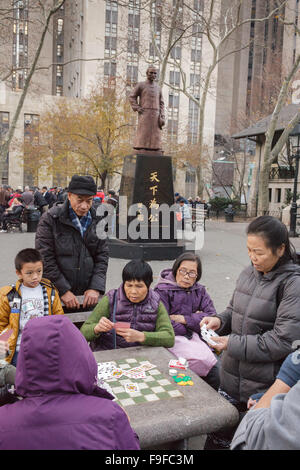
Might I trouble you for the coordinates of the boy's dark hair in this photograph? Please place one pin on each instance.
(188, 256)
(138, 270)
(28, 255)
(275, 234)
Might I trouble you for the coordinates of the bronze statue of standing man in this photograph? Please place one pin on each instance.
(146, 98)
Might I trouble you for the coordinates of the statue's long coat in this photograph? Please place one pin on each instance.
(147, 95)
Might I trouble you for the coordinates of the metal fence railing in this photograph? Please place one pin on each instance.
(242, 214)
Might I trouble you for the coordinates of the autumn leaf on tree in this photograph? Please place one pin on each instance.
(89, 136)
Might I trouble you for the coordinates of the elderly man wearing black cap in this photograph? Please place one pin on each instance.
(75, 258)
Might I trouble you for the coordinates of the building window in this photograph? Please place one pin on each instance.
(198, 5)
(193, 122)
(174, 78)
(20, 44)
(132, 75)
(196, 55)
(190, 176)
(176, 52)
(4, 126)
(156, 29)
(133, 34)
(60, 26)
(110, 71)
(173, 128)
(173, 100)
(111, 26)
(270, 194)
(194, 80)
(278, 195)
(59, 50)
(59, 71)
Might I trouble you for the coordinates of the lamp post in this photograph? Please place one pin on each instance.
(293, 220)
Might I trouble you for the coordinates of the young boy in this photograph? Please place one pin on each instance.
(146, 319)
(31, 297)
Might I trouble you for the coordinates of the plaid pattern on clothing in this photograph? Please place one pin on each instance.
(81, 224)
(46, 302)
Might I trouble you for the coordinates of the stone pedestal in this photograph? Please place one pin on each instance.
(146, 226)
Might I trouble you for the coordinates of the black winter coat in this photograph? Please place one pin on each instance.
(70, 261)
(39, 200)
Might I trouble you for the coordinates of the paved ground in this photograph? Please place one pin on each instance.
(224, 255)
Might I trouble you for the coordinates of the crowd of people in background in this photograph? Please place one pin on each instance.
(12, 203)
(42, 199)
(188, 208)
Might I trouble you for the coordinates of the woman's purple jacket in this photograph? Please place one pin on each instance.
(62, 406)
(193, 303)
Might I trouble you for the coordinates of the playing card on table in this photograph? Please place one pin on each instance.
(136, 373)
(105, 370)
(131, 387)
(147, 366)
(117, 373)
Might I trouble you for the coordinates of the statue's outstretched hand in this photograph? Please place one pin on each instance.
(161, 122)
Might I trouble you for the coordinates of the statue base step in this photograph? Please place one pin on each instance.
(122, 249)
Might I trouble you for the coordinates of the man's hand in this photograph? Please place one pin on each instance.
(131, 336)
(140, 110)
(91, 298)
(103, 326)
(212, 323)
(178, 319)
(70, 300)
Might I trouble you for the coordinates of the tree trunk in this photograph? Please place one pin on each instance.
(263, 201)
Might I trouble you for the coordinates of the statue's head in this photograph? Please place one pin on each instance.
(151, 73)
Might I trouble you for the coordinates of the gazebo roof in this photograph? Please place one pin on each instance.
(259, 128)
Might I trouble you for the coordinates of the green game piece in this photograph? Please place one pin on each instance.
(178, 379)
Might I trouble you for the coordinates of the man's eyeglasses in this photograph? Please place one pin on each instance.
(191, 274)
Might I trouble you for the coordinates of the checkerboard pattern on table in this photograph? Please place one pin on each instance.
(153, 388)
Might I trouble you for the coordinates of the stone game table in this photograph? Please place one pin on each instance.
(170, 423)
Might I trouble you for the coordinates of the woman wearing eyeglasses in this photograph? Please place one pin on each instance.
(187, 303)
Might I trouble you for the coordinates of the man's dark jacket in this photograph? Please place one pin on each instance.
(39, 200)
(50, 198)
(70, 261)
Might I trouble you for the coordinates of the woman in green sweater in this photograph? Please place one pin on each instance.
(130, 315)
